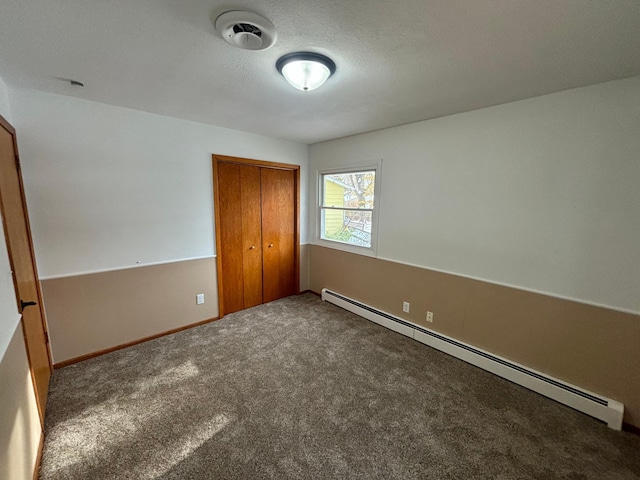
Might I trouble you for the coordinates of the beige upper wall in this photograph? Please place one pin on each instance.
(540, 194)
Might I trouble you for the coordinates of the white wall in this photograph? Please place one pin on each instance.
(108, 186)
(9, 316)
(541, 194)
(4, 101)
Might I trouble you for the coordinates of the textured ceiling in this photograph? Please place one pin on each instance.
(397, 61)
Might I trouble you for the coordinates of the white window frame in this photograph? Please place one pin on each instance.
(318, 240)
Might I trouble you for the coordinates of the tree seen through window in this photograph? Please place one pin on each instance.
(347, 207)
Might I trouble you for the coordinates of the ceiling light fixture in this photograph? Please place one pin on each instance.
(305, 70)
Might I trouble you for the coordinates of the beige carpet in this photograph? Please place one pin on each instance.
(299, 388)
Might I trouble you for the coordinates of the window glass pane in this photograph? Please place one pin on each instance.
(353, 190)
(347, 226)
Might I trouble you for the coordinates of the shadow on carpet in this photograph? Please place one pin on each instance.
(299, 388)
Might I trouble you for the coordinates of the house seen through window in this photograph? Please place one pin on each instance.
(347, 207)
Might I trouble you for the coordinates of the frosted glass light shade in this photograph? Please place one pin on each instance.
(305, 70)
(305, 74)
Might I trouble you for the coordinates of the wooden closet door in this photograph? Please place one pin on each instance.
(241, 244)
(278, 233)
(230, 231)
(257, 208)
(251, 235)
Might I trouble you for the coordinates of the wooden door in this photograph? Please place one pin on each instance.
(251, 235)
(18, 236)
(240, 235)
(241, 202)
(278, 236)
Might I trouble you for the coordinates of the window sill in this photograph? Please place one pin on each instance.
(345, 247)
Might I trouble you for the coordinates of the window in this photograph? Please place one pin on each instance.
(348, 202)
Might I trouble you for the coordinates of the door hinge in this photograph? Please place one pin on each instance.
(46, 337)
(17, 162)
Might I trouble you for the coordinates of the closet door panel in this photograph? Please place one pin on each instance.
(286, 233)
(278, 236)
(251, 235)
(270, 253)
(230, 231)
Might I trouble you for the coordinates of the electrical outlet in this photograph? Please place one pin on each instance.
(430, 317)
(200, 299)
(405, 307)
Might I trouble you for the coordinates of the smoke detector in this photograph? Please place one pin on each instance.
(246, 30)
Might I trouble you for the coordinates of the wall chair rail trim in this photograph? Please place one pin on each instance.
(126, 267)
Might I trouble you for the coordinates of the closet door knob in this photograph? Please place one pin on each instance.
(252, 247)
(270, 245)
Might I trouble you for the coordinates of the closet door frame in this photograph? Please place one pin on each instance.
(216, 207)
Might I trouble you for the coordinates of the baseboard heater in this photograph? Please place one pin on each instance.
(597, 406)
